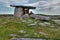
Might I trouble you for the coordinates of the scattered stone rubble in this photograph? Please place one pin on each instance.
(26, 39)
(34, 24)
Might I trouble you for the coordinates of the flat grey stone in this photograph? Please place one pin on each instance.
(22, 31)
(52, 26)
(42, 24)
(13, 39)
(13, 35)
(43, 33)
(24, 21)
(30, 20)
(57, 21)
(31, 24)
(47, 23)
(35, 22)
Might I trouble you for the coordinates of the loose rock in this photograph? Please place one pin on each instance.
(22, 31)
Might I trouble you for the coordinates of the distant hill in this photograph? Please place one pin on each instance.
(52, 16)
(6, 15)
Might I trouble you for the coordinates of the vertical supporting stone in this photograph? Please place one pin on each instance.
(18, 12)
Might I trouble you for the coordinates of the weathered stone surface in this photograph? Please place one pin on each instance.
(52, 26)
(25, 16)
(33, 24)
(24, 21)
(13, 39)
(22, 31)
(13, 35)
(57, 21)
(29, 20)
(47, 23)
(43, 33)
(36, 22)
(42, 24)
(34, 16)
(18, 12)
(40, 17)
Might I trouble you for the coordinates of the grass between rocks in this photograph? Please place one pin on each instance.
(14, 25)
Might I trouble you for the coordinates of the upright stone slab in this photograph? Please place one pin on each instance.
(18, 12)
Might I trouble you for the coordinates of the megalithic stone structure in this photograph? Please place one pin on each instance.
(21, 10)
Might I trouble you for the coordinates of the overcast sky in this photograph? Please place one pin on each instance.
(48, 7)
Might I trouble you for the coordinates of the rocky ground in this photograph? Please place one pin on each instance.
(28, 28)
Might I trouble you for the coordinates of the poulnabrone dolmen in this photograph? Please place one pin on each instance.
(21, 10)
